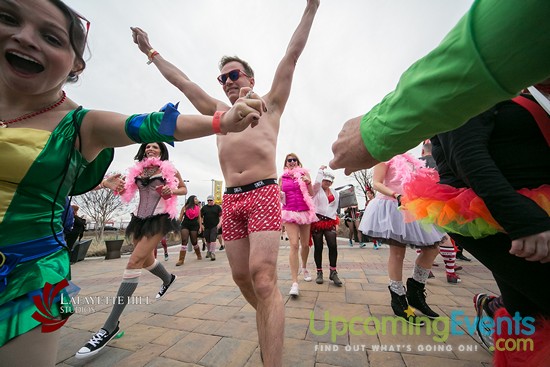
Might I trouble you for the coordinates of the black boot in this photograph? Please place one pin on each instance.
(416, 295)
(401, 309)
(460, 256)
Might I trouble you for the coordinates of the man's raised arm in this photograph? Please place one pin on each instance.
(280, 89)
(202, 101)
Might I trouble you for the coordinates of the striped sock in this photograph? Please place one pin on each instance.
(449, 257)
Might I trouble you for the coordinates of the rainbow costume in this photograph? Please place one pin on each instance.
(457, 210)
(39, 170)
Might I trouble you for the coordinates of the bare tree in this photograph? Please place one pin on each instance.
(100, 206)
(364, 178)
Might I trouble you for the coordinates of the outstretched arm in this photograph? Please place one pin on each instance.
(478, 64)
(280, 89)
(202, 101)
(101, 129)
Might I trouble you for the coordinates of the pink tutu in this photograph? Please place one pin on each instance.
(303, 217)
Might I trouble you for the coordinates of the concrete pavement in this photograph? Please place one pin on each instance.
(204, 321)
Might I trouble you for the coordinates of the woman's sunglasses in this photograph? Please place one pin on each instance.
(85, 22)
(233, 75)
(290, 160)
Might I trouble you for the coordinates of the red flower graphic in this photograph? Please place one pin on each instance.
(44, 305)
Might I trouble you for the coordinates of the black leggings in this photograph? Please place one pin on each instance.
(330, 236)
(523, 284)
(185, 234)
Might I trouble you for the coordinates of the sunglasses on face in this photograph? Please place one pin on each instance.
(290, 160)
(210, 200)
(233, 75)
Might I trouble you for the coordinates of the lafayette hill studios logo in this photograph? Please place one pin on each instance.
(44, 302)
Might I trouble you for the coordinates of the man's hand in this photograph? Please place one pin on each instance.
(533, 248)
(114, 183)
(349, 150)
(313, 2)
(247, 110)
(141, 38)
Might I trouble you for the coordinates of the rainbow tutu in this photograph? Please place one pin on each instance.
(455, 210)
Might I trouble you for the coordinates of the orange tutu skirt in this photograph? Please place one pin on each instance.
(455, 210)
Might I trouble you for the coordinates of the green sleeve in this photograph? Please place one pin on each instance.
(156, 126)
(494, 51)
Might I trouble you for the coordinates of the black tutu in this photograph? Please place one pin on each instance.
(150, 226)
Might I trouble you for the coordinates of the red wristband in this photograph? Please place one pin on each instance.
(152, 56)
(216, 122)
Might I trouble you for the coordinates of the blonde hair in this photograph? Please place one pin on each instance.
(292, 155)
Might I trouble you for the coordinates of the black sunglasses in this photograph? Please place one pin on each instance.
(289, 160)
(233, 75)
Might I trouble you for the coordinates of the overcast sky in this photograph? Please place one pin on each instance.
(356, 52)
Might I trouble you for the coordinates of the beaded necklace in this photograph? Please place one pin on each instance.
(149, 171)
(5, 123)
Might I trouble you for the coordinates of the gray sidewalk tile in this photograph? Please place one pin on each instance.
(203, 320)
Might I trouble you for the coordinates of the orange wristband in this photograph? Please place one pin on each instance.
(216, 122)
(151, 57)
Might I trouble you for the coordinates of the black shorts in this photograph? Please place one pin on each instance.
(210, 234)
(190, 225)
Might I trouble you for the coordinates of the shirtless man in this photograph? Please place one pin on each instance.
(251, 206)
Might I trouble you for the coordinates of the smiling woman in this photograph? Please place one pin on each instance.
(24, 64)
(54, 148)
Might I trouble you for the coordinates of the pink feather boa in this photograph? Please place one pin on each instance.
(305, 217)
(168, 172)
(405, 165)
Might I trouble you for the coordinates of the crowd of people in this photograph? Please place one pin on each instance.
(490, 202)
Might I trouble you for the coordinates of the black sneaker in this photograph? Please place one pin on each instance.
(334, 277)
(460, 256)
(319, 279)
(164, 288)
(98, 341)
(416, 296)
(212, 256)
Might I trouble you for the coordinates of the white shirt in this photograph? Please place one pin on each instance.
(320, 199)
